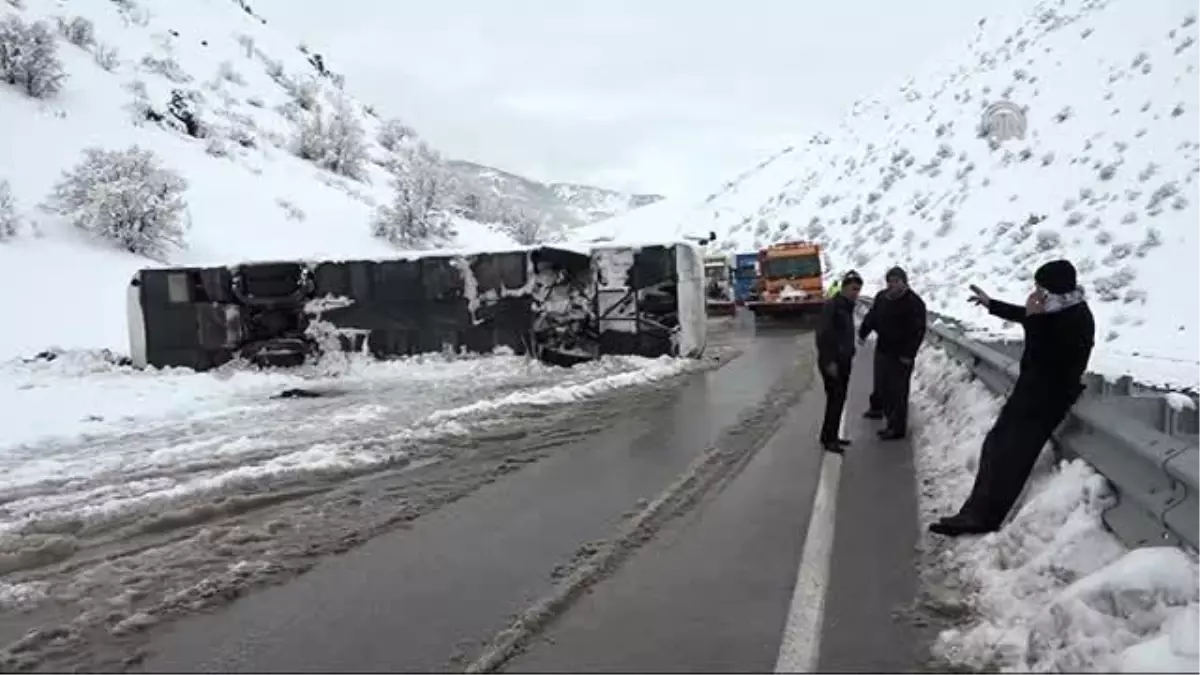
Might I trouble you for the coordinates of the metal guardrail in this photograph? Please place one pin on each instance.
(1145, 448)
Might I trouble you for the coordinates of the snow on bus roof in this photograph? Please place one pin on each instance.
(575, 247)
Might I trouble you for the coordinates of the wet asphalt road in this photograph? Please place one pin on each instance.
(709, 591)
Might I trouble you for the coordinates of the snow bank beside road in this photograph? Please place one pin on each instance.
(93, 452)
(51, 399)
(1053, 591)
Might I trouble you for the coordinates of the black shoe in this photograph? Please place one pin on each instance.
(844, 442)
(836, 448)
(960, 525)
(890, 435)
(873, 415)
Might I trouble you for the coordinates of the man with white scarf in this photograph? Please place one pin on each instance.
(1059, 335)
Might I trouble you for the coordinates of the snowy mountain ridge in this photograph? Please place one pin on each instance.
(262, 152)
(1106, 176)
(567, 203)
(595, 203)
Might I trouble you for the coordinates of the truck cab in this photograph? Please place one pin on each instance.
(789, 279)
(745, 274)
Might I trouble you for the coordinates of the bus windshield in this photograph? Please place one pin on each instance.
(795, 266)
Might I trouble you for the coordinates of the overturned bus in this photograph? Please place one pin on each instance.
(560, 305)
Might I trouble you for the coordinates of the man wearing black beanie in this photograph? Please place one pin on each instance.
(898, 317)
(1059, 334)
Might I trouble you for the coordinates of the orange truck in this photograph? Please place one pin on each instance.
(789, 280)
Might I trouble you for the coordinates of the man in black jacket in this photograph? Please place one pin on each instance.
(898, 317)
(835, 354)
(1059, 335)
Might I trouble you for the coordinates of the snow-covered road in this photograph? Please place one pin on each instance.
(120, 486)
(151, 442)
(1053, 591)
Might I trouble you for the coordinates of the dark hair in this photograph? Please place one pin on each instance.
(852, 277)
(897, 272)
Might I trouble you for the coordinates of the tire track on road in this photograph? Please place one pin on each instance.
(709, 472)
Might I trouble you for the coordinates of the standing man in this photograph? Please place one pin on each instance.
(835, 354)
(1059, 335)
(898, 317)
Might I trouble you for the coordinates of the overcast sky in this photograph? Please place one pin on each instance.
(667, 96)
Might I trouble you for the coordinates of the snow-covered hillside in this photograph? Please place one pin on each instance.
(219, 97)
(1105, 176)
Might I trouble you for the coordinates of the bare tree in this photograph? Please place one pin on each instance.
(336, 142)
(420, 214)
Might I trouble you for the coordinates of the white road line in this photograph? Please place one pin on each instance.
(801, 645)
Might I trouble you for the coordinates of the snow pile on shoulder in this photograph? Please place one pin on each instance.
(63, 395)
(1053, 591)
(1105, 176)
(121, 442)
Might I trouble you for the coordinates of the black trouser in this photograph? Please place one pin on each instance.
(894, 377)
(877, 367)
(1009, 452)
(836, 388)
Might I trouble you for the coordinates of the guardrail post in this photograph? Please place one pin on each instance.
(1177, 422)
(1168, 423)
(1123, 386)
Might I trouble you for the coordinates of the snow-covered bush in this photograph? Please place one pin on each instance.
(168, 67)
(307, 93)
(184, 113)
(79, 31)
(126, 197)
(292, 211)
(1048, 240)
(227, 73)
(274, 70)
(247, 43)
(29, 57)
(106, 57)
(420, 212)
(216, 147)
(9, 220)
(392, 133)
(337, 142)
(527, 228)
(132, 14)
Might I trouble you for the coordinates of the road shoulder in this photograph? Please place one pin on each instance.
(875, 579)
